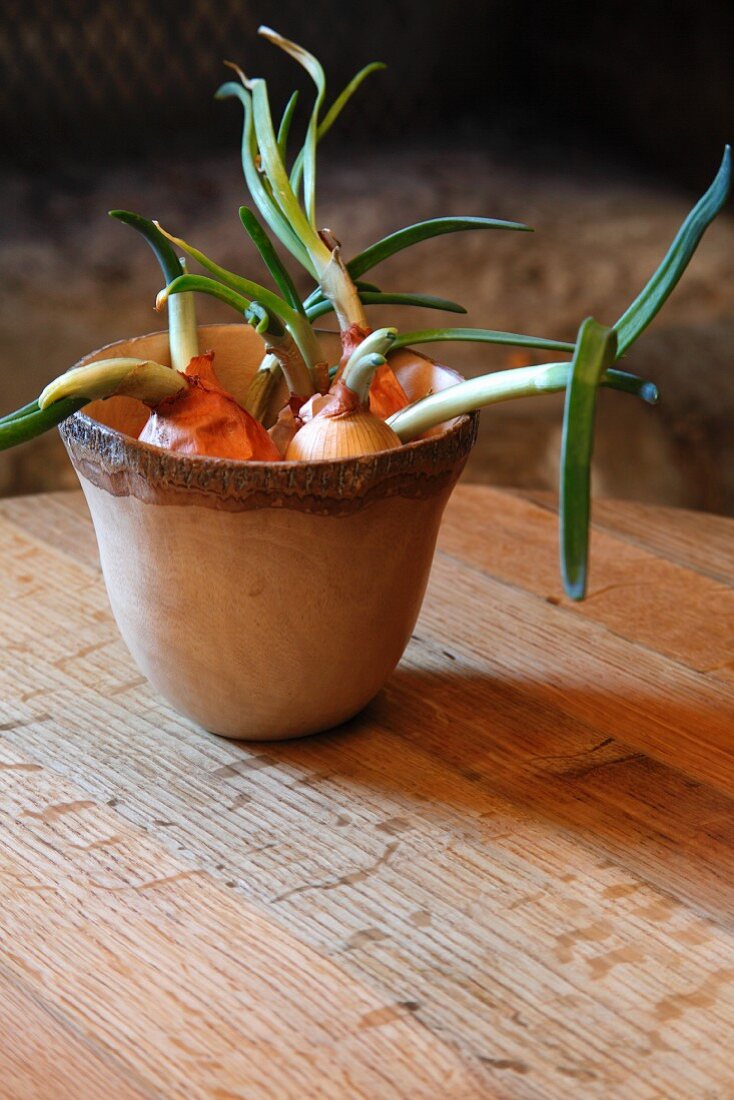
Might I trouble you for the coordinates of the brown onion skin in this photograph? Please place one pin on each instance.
(343, 427)
(206, 420)
(351, 338)
(387, 396)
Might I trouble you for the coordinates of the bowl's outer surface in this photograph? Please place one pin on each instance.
(263, 600)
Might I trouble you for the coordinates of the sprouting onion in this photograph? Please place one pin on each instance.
(331, 421)
(297, 366)
(344, 427)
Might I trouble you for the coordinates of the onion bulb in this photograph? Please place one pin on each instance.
(343, 428)
(343, 425)
(203, 419)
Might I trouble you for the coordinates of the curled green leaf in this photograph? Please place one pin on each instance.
(272, 261)
(422, 231)
(481, 336)
(649, 301)
(204, 285)
(333, 113)
(285, 124)
(162, 248)
(377, 298)
(264, 323)
(244, 289)
(316, 72)
(258, 185)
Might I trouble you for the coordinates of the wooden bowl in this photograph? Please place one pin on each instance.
(263, 600)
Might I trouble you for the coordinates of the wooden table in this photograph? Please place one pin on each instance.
(510, 877)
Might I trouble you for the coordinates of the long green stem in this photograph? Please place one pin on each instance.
(596, 349)
(275, 169)
(316, 72)
(270, 257)
(279, 198)
(183, 334)
(285, 125)
(334, 278)
(24, 410)
(15, 429)
(481, 336)
(490, 389)
(651, 298)
(378, 298)
(338, 286)
(332, 115)
(275, 197)
(422, 231)
(260, 190)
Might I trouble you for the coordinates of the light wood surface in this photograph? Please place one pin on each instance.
(510, 877)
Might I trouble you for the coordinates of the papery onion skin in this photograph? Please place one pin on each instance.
(351, 338)
(387, 396)
(348, 436)
(287, 424)
(206, 420)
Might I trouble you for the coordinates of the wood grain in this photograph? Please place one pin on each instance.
(45, 1056)
(511, 876)
(699, 540)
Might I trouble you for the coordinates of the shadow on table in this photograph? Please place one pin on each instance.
(478, 748)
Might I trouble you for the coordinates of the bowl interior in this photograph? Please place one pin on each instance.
(238, 352)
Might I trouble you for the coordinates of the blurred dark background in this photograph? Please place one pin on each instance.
(651, 82)
(599, 124)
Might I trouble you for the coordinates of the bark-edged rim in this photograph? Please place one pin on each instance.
(120, 464)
